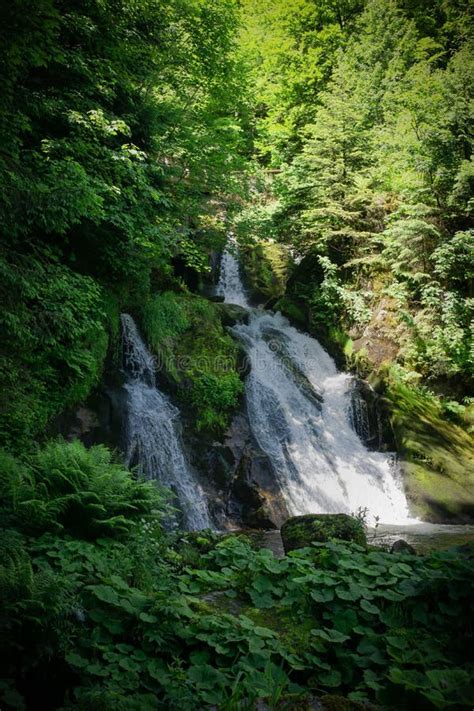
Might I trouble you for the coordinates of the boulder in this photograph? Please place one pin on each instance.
(232, 313)
(402, 546)
(302, 531)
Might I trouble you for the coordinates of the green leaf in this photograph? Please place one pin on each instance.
(75, 660)
(331, 679)
(369, 607)
(322, 595)
(330, 635)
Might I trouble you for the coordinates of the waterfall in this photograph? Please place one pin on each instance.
(230, 284)
(152, 432)
(299, 409)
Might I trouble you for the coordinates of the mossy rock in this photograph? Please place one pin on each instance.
(266, 267)
(302, 531)
(437, 456)
(231, 314)
(197, 359)
(294, 311)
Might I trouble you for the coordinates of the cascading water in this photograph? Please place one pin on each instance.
(153, 442)
(230, 284)
(299, 412)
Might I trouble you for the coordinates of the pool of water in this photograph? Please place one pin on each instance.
(424, 537)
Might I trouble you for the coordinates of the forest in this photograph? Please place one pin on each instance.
(237, 290)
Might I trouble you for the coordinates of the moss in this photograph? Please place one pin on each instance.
(195, 355)
(266, 266)
(302, 531)
(295, 638)
(438, 456)
(231, 314)
(294, 311)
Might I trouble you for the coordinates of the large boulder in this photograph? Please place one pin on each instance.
(302, 531)
(232, 313)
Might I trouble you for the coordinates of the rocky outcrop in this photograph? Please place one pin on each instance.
(370, 417)
(96, 421)
(247, 494)
(378, 342)
(302, 531)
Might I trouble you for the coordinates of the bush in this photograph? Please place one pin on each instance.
(54, 344)
(69, 490)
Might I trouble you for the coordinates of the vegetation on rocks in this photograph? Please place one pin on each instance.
(266, 268)
(437, 452)
(363, 127)
(196, 356)
(120, 126)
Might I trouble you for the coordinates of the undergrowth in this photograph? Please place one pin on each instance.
(101, 607)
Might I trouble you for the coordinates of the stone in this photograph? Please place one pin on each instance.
(402, 546)
(302, 531)
(232, 313)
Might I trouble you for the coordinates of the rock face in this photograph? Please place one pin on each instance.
(242, 487)
(302, 531)
(254, 496)
(97, 421)
(370, 418)
(379, 341)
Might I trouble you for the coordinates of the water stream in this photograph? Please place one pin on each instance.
(152, 432)
(302, 415)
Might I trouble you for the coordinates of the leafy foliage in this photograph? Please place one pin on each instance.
(127, 613)
(120, 129)
(377, 193)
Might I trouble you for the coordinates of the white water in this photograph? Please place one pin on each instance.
(153, 440)
(299, 408)
(230, 284)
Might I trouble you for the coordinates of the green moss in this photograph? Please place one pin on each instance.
(196, 355)
(294, 311)
(266, 266)
(296, 638)
(438, 455)
(302, 531)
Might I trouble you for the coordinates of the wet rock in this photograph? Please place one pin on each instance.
(302, 531)
(402, 546)
(278, 345)
(245, 480)
(232, 314)
(216, 298)
(96, 421)
(261, 505)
